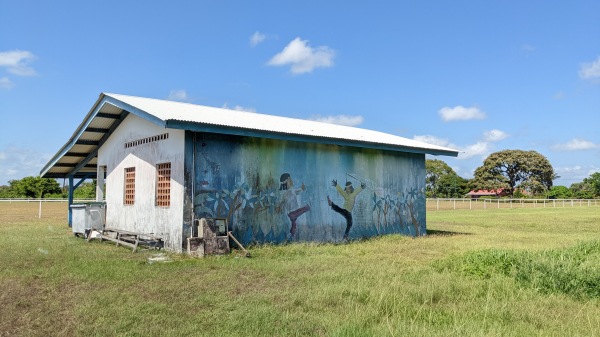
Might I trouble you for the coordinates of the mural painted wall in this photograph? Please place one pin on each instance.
(278, 191)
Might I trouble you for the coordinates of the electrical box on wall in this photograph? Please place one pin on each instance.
(209, 236)
(216, 240)
(220, 227)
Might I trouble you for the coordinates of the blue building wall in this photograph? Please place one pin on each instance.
(277, 191)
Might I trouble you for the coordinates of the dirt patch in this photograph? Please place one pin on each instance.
(32, 307)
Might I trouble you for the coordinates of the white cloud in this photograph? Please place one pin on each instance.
(17, 163)
(6, 83)
(494, 135)
(429, 139)
(575, 168)
(339, 119)
(481, 148)
(238, 108)
(257, 38)
(527, 47)
(575, 174)
(178, 95)
(591, 70)
(17, 62)
(575, 145)
(302, 58)
(460, 113)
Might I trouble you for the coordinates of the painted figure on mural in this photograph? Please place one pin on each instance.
(289, 201)
(349, 194)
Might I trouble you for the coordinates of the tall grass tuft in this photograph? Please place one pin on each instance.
(571, 271)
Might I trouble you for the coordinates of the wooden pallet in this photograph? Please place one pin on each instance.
(130, 239)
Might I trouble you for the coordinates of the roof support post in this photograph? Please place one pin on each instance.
(70, 196)
(72, 188)
(100, 183)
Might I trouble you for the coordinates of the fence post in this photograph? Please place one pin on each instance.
(40, 210)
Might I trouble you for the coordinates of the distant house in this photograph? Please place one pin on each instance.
(487, 193)
(164, 165)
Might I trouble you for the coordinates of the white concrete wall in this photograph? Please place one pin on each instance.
(143, 216)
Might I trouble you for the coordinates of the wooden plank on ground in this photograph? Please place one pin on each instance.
(120, 242)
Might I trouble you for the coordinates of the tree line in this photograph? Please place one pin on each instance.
(517, 173)
(45, 188)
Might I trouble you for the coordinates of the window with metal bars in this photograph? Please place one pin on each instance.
(129, 186)
(163, 184)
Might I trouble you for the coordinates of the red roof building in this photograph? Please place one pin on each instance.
(487, 193)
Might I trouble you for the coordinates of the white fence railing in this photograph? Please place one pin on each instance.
(467, 203)
(43, 200)
(433, 204)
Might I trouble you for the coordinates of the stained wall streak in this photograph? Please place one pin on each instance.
(188, 188)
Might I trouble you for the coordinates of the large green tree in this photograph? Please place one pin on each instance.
(85, 190)
(582, 190)
(587, 189)
(594, 181)
(452, 186)
(36, 187)
(7, 192)
(512, 169)
(33, 187)
(559, 192)
(435, 170)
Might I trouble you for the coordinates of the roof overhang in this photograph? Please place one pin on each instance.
(78, 157)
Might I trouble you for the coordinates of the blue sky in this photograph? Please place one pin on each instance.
(478, 76)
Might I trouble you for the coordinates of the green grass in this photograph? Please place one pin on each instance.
(493, 272)
(572, 271)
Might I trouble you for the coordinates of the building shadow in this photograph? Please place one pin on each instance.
(434, 232)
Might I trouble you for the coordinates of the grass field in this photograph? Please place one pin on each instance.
(492, 272)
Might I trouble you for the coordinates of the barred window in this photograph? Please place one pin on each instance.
(163, 184)
(129, 186)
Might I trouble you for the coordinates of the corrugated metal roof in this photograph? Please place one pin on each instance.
(77, 157)
(191, 113)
